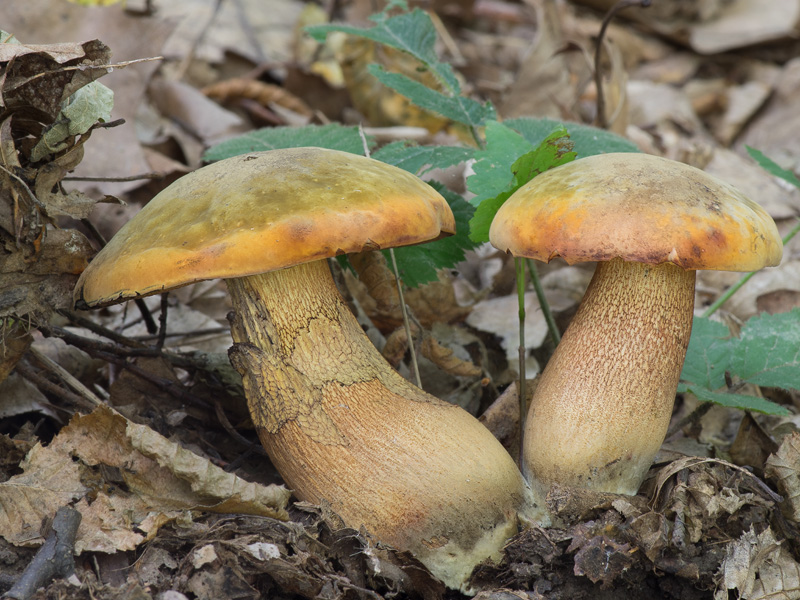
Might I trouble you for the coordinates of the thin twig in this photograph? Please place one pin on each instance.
(105, 67)
(162, 321)
(519, 266)
(598, 52)
(100, 330)
(65, 376)
(552, 327)
(27, 371)
(412, 353)
(54, 559)
(153, 176)
(227, 426)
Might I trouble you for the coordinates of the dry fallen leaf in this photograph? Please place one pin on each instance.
(759, 567)
(784, 466)
(129, 481)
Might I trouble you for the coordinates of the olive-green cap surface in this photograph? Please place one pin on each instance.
(263, 211)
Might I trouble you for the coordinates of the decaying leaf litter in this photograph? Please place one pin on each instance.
(718, 515)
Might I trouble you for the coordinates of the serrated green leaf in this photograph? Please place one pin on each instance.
(456, 108)
(419, 264)
(420, 159)
(772, 167)
(739, 401)
(481, 222)
(492, 168)
(587, 140)
(767, 351)
(554, 150)
(332, 136)
(708, 354)
(411, 32)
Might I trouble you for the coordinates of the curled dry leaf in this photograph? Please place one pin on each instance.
(264, 93)
(601, 558)
(39, 260)
(127, 480)
(376, 291)
(759, 567)
(784, 466)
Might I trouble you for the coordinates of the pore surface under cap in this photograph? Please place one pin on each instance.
(259, 212)
(637, 207)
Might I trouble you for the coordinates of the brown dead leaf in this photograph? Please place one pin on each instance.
(752, 445)
(376, 291)
(599, 557)
(197, 114)
(129, 481)
(784, 466)
(760, 568)
(779, 301)
(20, 396)
(381, 105)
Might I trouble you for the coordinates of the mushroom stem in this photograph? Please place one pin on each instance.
(605, 398)
(342, 427)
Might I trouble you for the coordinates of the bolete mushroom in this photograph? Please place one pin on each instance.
(339, 424)
(604, 400)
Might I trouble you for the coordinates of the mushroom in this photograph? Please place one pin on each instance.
(340, 425)
(604, 400)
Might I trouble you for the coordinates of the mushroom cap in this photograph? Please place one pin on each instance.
(259, 212)
(639, 208)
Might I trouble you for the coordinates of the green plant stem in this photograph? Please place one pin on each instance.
(520, 272)
(555, 334)
(736, 286)
(411, 349)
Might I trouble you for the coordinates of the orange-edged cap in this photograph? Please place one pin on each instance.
(640, 208)
(263, 211)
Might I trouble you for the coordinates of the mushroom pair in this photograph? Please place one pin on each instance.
(339, 424)
(604, 400)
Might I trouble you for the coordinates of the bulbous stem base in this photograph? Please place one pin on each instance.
(342, 427)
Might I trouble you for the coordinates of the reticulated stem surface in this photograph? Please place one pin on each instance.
(341, 426)
(604, 401)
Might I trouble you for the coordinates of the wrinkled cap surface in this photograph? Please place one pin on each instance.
(259, 212)
(637, 207)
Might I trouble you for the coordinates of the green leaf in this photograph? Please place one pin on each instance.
(554, 150)
(420, 159)
(492, 168)
(708, 354)
(738, 401)
(457, 108)
(588, 140)
(412, 32)
(768, 351)
(481, 222)
(419, 264)
(332, 137)
(772, 167)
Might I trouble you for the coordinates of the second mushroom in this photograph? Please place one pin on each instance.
(604, 401)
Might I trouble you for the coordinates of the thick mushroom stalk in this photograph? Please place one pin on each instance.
(342, 427)
(604, 401)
